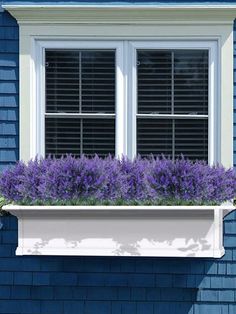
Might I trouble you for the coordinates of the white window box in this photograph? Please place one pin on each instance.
(177, 231)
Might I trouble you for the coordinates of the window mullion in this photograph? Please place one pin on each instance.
(172, 103)
(121, 102)
(172, 82)
(173, 139)
(80, 83)
(81, 136)
(80, 104)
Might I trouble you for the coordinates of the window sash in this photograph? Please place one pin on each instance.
(74, 76)
(166, 82)
(163, 69)
(117, 46)
(211, 117)
(173, 137)
(86, 136)
(74, 86)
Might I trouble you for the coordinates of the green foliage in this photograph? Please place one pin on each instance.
(117, 202)
(2, 202)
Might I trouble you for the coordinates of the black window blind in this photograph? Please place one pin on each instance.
(172, 115)
(80, 102)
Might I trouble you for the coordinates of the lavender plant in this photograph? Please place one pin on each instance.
(106, 181)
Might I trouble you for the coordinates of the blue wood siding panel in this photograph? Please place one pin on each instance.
(116, 285)
(9, 90)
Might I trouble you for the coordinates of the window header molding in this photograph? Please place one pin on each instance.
(148, 14)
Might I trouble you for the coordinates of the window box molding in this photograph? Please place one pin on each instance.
(171, 231)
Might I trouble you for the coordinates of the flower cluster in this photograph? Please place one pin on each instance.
(154, 181)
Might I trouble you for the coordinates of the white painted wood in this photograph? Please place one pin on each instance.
(122, 14)
(159, 6)
(178, 231)
(218, 218)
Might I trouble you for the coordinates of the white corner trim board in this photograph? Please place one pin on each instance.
(170, 231)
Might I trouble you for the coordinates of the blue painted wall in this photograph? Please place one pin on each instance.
(9, 71)
(116, 285)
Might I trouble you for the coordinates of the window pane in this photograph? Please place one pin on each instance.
(191, 138)
(98, 81)
(62, 136)
(173, 137)
(154, 136)
(80, 81)
(154, 81)
(99, 137)
(191, 82)
(182, 90)
(62, 81)
(76, 136)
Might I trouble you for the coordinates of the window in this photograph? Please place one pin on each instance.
(80, 102)
(145, 98)
(172, 115)
(172, 102)
(129, 32)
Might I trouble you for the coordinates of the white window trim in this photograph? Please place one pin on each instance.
(126, 89)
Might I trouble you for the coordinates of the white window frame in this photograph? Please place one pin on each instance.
(126, 88)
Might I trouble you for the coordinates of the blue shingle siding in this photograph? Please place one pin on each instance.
(116, 285)
(9, 90)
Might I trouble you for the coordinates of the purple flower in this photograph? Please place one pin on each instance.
(110, 179)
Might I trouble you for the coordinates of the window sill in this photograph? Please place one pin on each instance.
(170, 231)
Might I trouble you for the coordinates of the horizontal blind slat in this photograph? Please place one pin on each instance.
(172, 82)
(189, 72)
(63, 136)
(84, 76)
